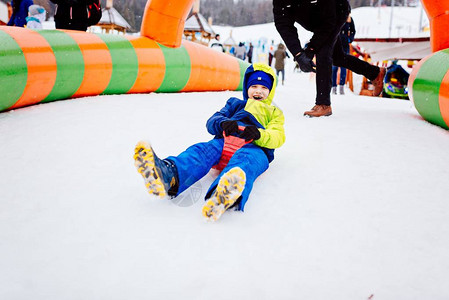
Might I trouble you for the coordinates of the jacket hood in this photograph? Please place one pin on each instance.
(264, 68)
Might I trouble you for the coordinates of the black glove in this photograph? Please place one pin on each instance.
(251, 132)
(229, 127)
(304, 60)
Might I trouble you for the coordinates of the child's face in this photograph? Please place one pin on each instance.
(258, 92)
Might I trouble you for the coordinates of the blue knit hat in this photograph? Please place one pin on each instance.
(262, 78)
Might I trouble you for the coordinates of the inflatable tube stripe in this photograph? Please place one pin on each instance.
(97, 63)
(444, 99)
(69, 62)
(41, 64)
(178, 68)
(412, 77)
(211, 71)
(124, 64)
(13, 71)
(426, 87)
(151, 72)
(243, 67)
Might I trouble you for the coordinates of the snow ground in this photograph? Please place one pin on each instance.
(353, 206)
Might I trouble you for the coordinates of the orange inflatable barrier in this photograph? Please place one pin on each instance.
(429, 82)
(38, 66)
(438, 13)
(172, 14)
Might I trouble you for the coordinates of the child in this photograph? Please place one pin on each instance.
(19, 12)
(36, 17)
(264, 126)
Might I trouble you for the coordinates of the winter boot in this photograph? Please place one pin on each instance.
(378, 83)
(342, 89)
(319, 111)
(334, 90)
(160, 176)
(228, 190)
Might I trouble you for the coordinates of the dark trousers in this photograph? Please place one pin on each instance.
(332, 53)
(71, 25)
(342, 76)
(282, 73)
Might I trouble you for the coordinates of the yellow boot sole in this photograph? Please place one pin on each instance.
(144, 162)
(229, 189)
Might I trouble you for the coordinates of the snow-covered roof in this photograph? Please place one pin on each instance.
(196, 22)
(229, 41)
(390, 49)
(112, 16)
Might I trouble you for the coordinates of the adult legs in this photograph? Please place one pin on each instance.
(81, 26)
(334, 76)
(332, 53)
(344, 60)
(342, 76)
(282, 73)
(324, 65)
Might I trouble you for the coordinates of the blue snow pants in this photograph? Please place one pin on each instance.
(198, 159)
(342, 76)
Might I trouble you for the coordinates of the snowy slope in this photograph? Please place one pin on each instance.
(353, 205)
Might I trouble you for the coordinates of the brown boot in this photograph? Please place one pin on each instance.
(319, 111)
(378, 83)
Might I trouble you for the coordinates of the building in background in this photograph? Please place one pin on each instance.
(111, 21)
(197, 29)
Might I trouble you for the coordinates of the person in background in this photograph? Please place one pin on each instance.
(232, 51)
(325, 20)
(240, 51)
(19, 12)
(36, 16)
(250, 53)
(71, 14)
(346, 37)
(271, 53)
(279, 64)
(216, 44)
